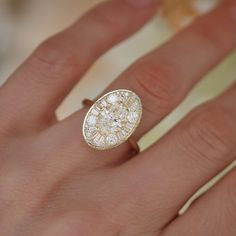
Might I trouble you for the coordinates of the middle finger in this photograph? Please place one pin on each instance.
(164, 77)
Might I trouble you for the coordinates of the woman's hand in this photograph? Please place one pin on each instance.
(52, 183)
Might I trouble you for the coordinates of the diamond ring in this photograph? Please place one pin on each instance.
(112, 119)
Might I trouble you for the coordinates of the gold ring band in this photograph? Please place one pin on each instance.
(87, 102)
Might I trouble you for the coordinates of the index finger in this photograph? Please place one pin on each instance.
(43, 81)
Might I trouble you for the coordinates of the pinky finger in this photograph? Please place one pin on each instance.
(213, 214)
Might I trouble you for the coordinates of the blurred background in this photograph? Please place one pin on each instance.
(26, 23)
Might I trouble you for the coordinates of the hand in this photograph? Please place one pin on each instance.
(52, 183)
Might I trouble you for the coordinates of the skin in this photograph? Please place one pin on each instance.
(52, 183)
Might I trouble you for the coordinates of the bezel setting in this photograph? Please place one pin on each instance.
(112, 119)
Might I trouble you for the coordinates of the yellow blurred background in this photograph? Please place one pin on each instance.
(25, 23)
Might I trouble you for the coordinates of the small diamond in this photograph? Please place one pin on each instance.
(100, 142)
(95, 112)
(92, 120)
(122, 134)
(112, 98)
(134, 106)
(127, 94)
(130, 125)
(133, 117)
(104, 103)
(90, 132)
(112, 139)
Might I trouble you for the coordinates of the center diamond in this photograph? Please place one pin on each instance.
(113, 118)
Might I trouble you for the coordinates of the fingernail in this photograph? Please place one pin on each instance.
(141, 3)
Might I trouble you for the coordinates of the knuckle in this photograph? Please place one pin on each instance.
(55, 58)
(53, 51)
(211, 35)
(80, 223)
(156, 83)
(209, 134)
(73, 224)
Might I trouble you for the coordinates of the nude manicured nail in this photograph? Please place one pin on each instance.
(141, 3)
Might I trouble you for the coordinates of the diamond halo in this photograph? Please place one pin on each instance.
(112, 119)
